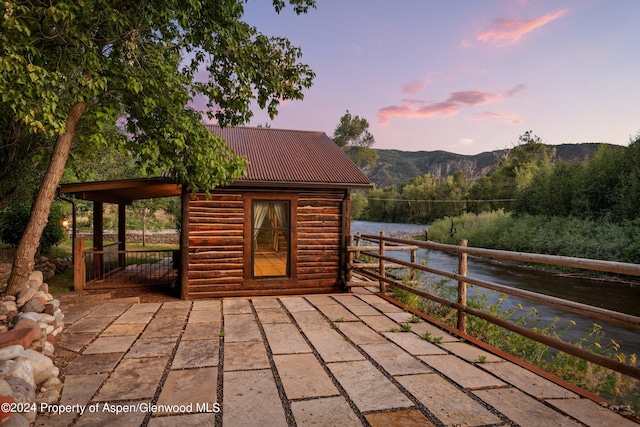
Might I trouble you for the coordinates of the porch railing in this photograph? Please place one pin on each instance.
(377, 271)
(111, 268)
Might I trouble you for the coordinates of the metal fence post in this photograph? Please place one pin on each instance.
(462, 288)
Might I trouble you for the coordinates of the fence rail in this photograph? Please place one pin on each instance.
(378, 252)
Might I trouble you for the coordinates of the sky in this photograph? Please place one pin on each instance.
(465, 76)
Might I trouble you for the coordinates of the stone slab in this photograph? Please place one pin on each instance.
(204, 316)
(75, 312)
(591, 413)
(349, 300)
(409, 418)
(379, 323)
(523, 409)
(164, 327)
(89, 324)
(195, 387)
(134, 317)
(296, 304)
(123, 329)
(413, 344)
(273, 315)
(113, 309)
(196, 354)
(310, 319)
(450, 405)
(328, 411)
(239, 356)
(359, 333)
(367, 387)
(303, 376)
(78, 389)
(236, 306)
(265, 303)
(93, 363)
(251, 398)
(152, 347)
(470, 352)
(189, 420)
(147, 307)
(133, 379)
(394, 360)
(336, 312)
(463, 373)
(107, 418)
(421, 328)
(528, 382)
(201, 331)
(177, 304)
(173, 312)
(363, 310)
(214, 306)
(110, 345)
(319, 300)
(401, 317)
(332, 346)
(284, 338)
(74, 342)
(241, 327)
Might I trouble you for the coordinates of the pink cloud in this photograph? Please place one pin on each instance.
(511, 118)
(449, 107)
(415, 86)
(508, 31)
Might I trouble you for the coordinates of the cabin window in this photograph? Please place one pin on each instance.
(271, 236)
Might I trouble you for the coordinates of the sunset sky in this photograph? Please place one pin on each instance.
(465, 76)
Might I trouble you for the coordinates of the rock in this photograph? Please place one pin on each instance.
(28, 315)
(5, 388)
(8, 298)
(25, 295)
(49, 274)
(36, 276)
(26, 321)
(16, 420)
(49, 309)
(22, 337)
(44, 288)
(47, 318)
(9, 306)
(42, 365)
(20, 369)
(11, 352)
(3, 329)
(34, 305)
(48, 349)
(52, 383)
(6, 398)
(48, 397)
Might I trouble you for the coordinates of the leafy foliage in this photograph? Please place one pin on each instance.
(353, 136)
(13, 223)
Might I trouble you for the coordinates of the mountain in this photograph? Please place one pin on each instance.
(399, 167)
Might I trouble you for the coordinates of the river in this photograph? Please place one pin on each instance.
(613, 296)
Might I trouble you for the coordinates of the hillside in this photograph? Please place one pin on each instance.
(399, 167)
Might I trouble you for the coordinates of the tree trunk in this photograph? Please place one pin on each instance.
(23, 263)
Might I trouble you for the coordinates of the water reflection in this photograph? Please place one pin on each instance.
(612, 296)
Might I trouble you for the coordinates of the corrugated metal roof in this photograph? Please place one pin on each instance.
(291, 156)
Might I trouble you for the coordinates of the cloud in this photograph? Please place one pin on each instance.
(449, 107)
(511, 118)
(415, 86)
(504, 32)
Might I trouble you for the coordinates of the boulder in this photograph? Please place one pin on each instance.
(42, 365)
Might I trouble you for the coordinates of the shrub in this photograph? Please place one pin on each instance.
(14, 221)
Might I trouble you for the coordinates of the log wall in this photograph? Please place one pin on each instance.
(218, 244)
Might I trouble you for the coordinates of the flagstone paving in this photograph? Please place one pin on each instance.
(321, 360)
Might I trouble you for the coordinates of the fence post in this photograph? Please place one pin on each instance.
(383, 285)
(79, 274)
(414, 260)
(462, 288)
(349, 260)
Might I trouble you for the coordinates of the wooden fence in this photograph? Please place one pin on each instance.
(377, 271)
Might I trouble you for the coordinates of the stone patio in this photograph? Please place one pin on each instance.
(322, 360)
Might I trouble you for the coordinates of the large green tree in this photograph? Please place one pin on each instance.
(353, 136)
(70, 68)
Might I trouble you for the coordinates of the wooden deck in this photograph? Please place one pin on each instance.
(161, 273)
(327, 360)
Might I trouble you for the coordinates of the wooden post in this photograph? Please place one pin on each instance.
(383, 285)
(79, 273)
(122, 235)
(98, 239)
(414, 260)
(462, 288)
(184, 245)
(349, 261)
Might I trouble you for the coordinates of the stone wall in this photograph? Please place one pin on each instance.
(164, 236)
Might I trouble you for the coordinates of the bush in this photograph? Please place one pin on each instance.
(14, 221)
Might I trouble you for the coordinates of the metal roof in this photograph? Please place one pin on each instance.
(291, 157)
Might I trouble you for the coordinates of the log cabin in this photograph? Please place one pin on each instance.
(281, 229)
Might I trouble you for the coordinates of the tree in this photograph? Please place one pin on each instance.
(144, 210)
(353, 136)
(72, 68)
